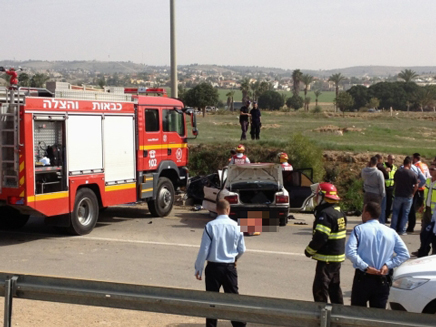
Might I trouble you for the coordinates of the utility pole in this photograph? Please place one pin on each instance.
(174, 84)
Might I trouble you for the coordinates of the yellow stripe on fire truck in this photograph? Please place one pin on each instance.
(159, 146)
(43, 197)
(119, 187)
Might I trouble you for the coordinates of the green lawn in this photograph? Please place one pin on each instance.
(404, 133)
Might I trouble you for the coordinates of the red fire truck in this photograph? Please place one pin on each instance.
(66, 153)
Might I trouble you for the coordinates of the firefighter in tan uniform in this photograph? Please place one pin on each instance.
(328, 245)
(240, 158)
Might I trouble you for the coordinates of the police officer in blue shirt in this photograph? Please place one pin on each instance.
(222, 245)
(371, 248)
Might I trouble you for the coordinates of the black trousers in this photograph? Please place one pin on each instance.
(255, 131)
(225, 275)
(370, 288)
(327, 283)
(427, 237)
(417, 203)
(244, 128)
(389, 198)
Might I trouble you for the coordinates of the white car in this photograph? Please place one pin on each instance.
(259, 189)
(414, 286)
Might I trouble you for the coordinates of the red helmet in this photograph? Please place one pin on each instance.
(283, 157)
(328, 191)
(240, 148)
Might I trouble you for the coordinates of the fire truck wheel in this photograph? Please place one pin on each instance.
(85, 213)
(164, 202)
(11, 218)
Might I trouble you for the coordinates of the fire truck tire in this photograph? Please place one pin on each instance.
(85, 213)
(164, 202)
(11, 218)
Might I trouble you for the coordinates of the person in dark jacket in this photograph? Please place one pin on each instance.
(243, 119)
(328, 245)
(255, 122)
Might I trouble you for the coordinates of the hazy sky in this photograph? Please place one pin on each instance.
(311, 34)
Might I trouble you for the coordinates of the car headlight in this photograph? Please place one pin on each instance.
(409, 283)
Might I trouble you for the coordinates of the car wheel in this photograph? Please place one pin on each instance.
(85, 214)
(430, 308)
(163, 204)
(283, 221)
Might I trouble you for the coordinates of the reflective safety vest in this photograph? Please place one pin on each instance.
(287, 166)
(240, 160)
(425, 171)
(329, 233)
(390, 181)
(433, 194)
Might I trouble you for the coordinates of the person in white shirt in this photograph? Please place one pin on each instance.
(222, 244)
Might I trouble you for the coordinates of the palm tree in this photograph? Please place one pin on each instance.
(245, 88)
(306, 103)
(337, 79)
(229, 96)
(408, 75)
(296, 79)
(317, 94)
(265, 86)
(255, 87)
(306, 79)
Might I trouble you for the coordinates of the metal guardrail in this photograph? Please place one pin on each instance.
(262, 310)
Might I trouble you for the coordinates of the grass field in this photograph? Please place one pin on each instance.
(402, 134)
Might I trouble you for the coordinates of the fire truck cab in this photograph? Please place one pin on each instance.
(67, 152)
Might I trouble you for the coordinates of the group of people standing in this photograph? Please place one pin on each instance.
(405, 189)
(373, 248)
(250, 117)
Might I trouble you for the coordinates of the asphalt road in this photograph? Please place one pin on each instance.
(129, 246)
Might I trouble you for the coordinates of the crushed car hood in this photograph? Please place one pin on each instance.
(257, 172)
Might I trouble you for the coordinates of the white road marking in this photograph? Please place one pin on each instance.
(106, 239)
(179, 245)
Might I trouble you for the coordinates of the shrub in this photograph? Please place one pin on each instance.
(352, 199)
(285, 109)
(270, 100)
(303, 153)
(296, 102)
(317, 109)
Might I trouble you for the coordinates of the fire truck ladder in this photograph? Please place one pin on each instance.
(9, 138)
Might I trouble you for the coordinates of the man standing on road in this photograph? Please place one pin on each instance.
(406, 184)
(222, 245)
(428, 229)
(243, 119)
(327, 245)
(389, 189)
(418, 198)
(255, 122)
(373, 182)
(371, 248)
